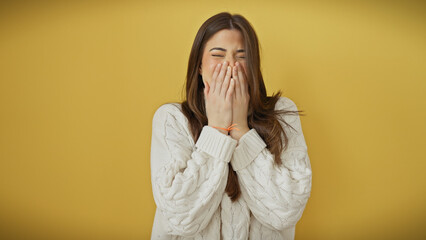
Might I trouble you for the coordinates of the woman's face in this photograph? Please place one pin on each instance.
(225, 45)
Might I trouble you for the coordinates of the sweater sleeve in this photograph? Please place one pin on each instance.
(276, 195)
(188, 180)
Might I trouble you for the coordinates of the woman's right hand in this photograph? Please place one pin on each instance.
(218, 97)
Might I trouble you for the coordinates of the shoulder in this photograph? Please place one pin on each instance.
(170, 109)
(170, 113)
(285, 103)
(170, 121)
(166, 109)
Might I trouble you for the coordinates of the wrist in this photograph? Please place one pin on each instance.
(223, 131)
(237, 134)
(220, 129)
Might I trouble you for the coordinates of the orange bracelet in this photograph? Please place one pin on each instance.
(229, 128)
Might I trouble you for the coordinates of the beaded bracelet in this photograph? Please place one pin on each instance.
(229, 128)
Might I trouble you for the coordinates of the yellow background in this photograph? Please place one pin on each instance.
(80, 83)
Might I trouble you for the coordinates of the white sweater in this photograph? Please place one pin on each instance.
(189, 179)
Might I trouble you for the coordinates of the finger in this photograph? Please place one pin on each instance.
(237, 92)
(219, 79)
(216, 70)
(225, 84)
(215, 73)
(242, 80)
(213, 79)
(234, 96)
(229, 93)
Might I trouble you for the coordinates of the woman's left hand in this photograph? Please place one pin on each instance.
(240, 102)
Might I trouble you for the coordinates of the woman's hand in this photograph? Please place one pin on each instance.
(219, 97)
(240, 102)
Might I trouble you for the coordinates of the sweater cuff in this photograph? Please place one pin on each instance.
(216, 143)
(249, 147)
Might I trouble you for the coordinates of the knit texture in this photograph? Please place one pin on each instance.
(189, 179)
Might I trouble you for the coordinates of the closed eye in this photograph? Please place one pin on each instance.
(222, 56)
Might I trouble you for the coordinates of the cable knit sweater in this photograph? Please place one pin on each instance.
(189, 180)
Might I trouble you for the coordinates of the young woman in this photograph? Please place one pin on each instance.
(229, 162)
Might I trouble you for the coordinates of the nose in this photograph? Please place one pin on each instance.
(231, 60)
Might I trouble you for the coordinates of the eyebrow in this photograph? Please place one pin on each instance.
(223, 49)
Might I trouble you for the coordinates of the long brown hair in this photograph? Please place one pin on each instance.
(262, 115)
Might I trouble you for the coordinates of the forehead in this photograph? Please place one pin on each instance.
(226, 37)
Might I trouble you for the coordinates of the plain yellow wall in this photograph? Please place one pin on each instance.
(80, 84)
